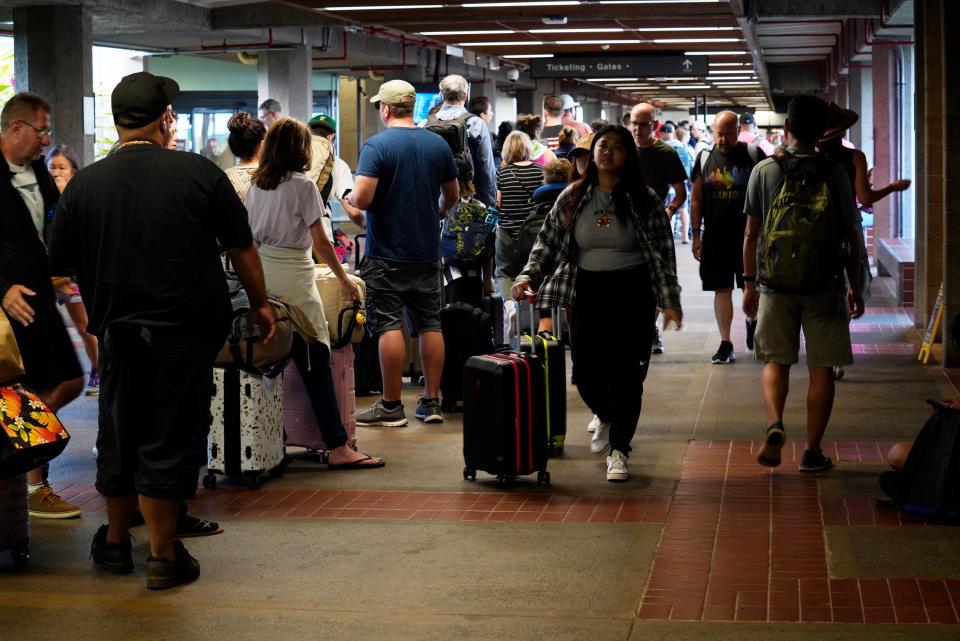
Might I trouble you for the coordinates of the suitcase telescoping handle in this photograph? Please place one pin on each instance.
(532, 300)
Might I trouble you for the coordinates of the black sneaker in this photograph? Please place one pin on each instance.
(814, 461)
(112, 557)
(657, 346)
(428, 411)
(163, 573)
(751, 329)
(770, 454)
(724, 353)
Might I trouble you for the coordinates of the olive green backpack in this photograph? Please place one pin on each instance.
(801, 246)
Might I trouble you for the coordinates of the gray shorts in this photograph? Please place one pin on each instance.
(823, 318)
(393, 286)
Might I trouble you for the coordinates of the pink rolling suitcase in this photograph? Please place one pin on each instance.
(299, 422)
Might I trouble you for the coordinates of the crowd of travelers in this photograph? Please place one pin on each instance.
(94, 240)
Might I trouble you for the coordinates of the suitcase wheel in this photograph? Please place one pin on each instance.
(254, 481)
(210, 481)
(543, 478)
(503, 480)
(469, 474)
(20, 555)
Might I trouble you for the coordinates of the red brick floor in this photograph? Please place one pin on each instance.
(742, 543)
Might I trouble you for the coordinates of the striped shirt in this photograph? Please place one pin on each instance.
(516, 184)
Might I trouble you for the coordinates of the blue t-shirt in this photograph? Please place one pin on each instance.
(403, 221)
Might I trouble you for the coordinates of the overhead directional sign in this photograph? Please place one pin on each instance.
(618, 66)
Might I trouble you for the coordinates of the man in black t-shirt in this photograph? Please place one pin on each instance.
(663, 169)
(720, 178)
(140, 228)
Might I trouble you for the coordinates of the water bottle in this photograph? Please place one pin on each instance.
(493, 215)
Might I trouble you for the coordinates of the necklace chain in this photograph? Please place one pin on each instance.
(136, 142)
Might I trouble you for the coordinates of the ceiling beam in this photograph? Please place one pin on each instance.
(267, 14)
(815, 8)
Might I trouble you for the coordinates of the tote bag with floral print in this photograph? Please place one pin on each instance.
(32, 434)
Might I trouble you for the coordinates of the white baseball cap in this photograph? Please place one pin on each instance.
(568, 101)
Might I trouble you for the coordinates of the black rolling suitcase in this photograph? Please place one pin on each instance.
(466, 333)
(367, 378)
(554, 359)
(493, 306)
(504, 429)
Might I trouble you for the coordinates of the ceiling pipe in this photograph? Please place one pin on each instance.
(340, 57)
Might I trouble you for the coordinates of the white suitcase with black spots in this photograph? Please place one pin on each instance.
(246, 436)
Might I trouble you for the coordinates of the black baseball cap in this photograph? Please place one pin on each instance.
(747, 118)
(141, 98)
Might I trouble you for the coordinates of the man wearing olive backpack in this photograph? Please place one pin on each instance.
(801, 236)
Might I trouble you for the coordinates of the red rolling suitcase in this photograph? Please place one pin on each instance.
(504, 428)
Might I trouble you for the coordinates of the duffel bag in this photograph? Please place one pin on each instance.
(245, 350)
(345, 316)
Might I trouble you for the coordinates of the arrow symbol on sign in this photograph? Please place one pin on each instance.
(687, 65)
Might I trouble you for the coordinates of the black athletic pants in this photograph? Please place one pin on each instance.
(611, 346)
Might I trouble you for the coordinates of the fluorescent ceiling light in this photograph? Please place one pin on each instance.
(738, 84)
(598, 42)
(716, 53)
(598, 30)
(384, 7)
(528, 55)
(660, 1)
(729, 71)
(515, 43)
(677, 41)
(730, 64)
(552, 3)
(481, 32)
(685, 29)
(671, 78)
(672, 87)
(612, 79)
(731, 77)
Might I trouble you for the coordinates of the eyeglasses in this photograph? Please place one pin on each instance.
(376, 105)
(41, 131)
(638, 123)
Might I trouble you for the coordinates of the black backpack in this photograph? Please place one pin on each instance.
(929, 484)
(454, 133)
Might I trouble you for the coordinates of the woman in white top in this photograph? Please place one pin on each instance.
(245, 141)
(285, 216)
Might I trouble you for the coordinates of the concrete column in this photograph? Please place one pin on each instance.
(349, 135)
(53, 57)
(950, 49)
(921, 298)
(885, 143)
(525, 102)
(861, 101)
(287, 76)
(931, 208)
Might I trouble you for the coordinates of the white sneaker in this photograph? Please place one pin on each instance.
(593, 424)
(601, 438)
(617, 467)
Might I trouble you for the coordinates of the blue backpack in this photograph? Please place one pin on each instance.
(467, 238)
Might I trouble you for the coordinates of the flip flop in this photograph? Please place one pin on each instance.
(357, 465)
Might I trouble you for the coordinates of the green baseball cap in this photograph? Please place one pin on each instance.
(324, 121)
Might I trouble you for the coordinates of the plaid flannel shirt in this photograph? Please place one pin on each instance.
(552, 263)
